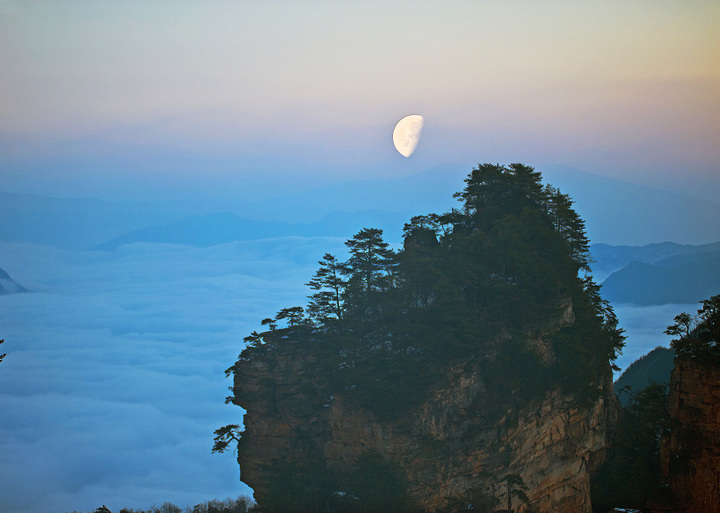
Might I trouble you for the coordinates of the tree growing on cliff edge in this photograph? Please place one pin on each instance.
(327, 303)
(633, 472)
(226, 436)
(698, 335)
(293, 315)
(4, 354)
(370, 272)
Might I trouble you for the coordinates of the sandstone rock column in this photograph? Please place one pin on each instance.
(691, 452)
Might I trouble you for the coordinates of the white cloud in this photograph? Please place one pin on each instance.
(114, 382)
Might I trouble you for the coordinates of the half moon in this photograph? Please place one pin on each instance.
(407, 134)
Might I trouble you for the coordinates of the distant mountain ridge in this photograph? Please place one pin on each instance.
(652, 274)
(74, 223)
(221, 228)
(655, 366)
(8, 285)
(615, 212)
(609, 259)
(618, 212)
(659, 273)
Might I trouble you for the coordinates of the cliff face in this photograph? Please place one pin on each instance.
(455, 445)
(691, 452)
(469, 366)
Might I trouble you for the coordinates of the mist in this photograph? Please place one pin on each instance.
(114, 379)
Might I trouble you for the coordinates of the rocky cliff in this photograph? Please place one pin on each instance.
(457, 445)
(468, 370)
(691, 452)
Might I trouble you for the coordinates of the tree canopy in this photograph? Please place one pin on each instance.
(469, 281)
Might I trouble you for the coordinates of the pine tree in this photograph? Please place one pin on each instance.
(326, 303)
(698, 335)
(569, 224)
(371, 260)
(294, 315)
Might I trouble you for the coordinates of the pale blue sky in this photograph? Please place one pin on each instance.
(118, 98)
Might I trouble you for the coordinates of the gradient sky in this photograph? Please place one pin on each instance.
(240, 100)
(134, 99)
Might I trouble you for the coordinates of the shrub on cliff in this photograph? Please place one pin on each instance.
(698, 335)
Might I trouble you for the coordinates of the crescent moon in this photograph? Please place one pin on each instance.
(407, 134)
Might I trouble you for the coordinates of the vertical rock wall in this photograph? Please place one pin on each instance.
(691, 452)
(450, 447)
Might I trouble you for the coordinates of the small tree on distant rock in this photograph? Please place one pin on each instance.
(698, 335)
(270, 323)
(294, 315)
(225, 436)
(329, 286)
(168, 507)
(371, 261)
(515, 488)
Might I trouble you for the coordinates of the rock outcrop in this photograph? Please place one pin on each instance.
(455, 445)
(691, 451)
(469, 370)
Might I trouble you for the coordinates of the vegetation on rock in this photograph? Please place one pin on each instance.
(698, 335)
(633, 473)
(240, 505)
(475, 283)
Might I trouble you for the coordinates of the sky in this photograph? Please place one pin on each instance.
(114, 381)
(130, 99)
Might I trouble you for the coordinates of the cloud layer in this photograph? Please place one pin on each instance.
(113, 383)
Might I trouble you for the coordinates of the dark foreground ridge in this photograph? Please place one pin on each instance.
(469, 370)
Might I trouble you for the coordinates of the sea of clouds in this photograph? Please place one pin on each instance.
(114, 380)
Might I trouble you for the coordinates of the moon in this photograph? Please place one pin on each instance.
(407, 134)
